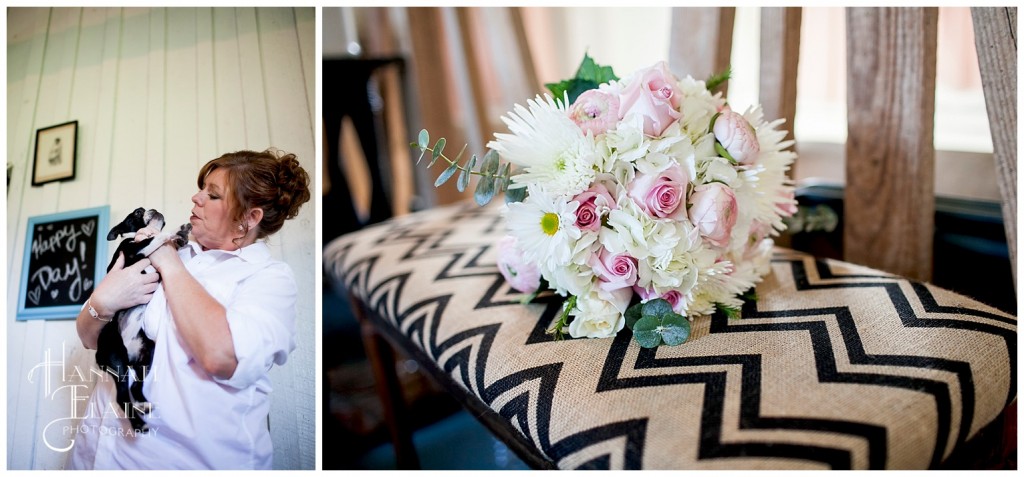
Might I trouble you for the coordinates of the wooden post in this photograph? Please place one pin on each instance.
(701, 41)
(431, 67)
(780, 57)
(994, 30)
(890, 156)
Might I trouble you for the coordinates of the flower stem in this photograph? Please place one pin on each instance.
(460, 167)
(558, 330)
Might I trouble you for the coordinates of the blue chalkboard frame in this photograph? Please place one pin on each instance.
(100, 260)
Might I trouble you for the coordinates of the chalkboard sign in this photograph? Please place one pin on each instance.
(65, 256)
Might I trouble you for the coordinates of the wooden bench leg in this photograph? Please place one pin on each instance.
(389, 390)
(1009, 440)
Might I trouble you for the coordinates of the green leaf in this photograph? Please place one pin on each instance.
(591, 71)
(717, 80)
(646, 333)
(447, 174)
(675, 329)
(711, 124)
(515, 195)
(423, 152)
(558, 89)
(588, 76)
(728, 311)
(722, 152)
(633, 315)
(424, 139)
(464, 176)
(437, 151)
(657, 307)
(484, 190)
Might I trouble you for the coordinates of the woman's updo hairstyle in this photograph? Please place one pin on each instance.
(270, 180)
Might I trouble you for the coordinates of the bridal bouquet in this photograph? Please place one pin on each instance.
(645, 201)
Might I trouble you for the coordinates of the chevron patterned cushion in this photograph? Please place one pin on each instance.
(836, 366)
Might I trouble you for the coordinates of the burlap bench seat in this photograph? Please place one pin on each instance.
(835, 366)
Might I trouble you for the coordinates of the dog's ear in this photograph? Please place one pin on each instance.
(131, 223)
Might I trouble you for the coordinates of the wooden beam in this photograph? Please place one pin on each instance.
(994, 30)
(889, 202)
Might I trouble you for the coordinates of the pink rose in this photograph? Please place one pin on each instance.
(521, 274)
(661, 195)
(595, 111)
(737, 137)
(653, 94)
(594, 203)
(673, 297)
(614, 271)
(713, 212)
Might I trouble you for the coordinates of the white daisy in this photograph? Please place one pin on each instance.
(545, 227)
(552, 150)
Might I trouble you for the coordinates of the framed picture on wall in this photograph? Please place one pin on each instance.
(64, 258)
(55, 153)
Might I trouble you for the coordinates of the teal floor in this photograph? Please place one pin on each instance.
(458, 442)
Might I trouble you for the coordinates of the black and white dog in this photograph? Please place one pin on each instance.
(122, 343)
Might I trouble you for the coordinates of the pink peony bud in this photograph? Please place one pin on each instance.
(713, 212)
(595, 111)
(661, 195)
(521, 274)
(614, 271)
(654, 94)
(594, 203)
(736, 135)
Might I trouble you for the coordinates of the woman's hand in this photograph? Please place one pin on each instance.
(124, 287)
(164, 257)
(121, 288)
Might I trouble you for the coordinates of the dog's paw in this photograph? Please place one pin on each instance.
(181, 237)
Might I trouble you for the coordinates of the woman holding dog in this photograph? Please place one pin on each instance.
(225, 313)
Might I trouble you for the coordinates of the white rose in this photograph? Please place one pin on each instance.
(595, 318)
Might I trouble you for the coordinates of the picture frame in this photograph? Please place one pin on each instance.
(55, 153)
(65, 257)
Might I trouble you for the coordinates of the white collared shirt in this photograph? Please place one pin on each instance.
(199, 421)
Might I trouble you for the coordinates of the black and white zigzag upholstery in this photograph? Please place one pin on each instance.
(836, 366)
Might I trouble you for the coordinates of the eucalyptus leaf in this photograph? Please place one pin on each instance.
(489, 164)
(437, 151)
(657, 307)
(515, 195)
(633, 315)
(503, 174)
(675, 330)
(646, 332)
(424, 139)
(484, 190)
(447, 174)
(464, 176)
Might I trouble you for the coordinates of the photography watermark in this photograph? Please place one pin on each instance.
(70, 383)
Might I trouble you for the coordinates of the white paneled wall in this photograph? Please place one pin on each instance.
(157, 92)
